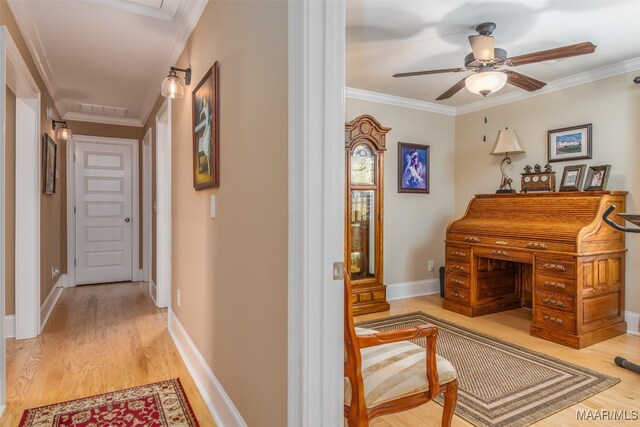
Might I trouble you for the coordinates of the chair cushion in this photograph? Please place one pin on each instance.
(395, 370)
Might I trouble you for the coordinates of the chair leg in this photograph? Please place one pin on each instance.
(450, 399)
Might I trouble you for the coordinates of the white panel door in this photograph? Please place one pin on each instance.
(103, 192)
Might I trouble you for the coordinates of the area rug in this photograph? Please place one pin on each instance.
(161, 404)
(502, 384)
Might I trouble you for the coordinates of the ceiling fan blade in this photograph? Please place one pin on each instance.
(523, 82)
(452, 90)
(421, 73)
(557, 53)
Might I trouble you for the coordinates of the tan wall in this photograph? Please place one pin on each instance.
(612, 105)
(53, 250)
(232, 270)
(10, 200)
(414, 224)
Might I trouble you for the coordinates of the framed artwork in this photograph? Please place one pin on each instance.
(205, 100)
(572, 178)
(597, 178)
(413, 168)
(572, 143)
(49, 155)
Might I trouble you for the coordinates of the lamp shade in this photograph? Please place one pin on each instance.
(64, 133)
(506, 142)
(172, 86)
(482, 47)
(485, 82)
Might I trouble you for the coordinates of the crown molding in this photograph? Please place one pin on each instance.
(399, 101)
(109, 120)
(166, 12)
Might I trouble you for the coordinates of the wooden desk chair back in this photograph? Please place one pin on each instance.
(356, 410)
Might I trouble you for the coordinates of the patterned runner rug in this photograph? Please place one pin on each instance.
(162, 404)
(501, 384)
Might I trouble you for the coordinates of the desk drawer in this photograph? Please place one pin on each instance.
(459, 268)
(458, 281)
(504, 253)
(556, 266)
(555, 301)
(459, 253)
(458, 295)
(554, 319)
(559, 284)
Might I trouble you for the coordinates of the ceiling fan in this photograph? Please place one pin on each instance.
(486, 60)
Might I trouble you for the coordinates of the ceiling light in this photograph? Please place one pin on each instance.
(172, 86)
(485, 82)
(64, 132)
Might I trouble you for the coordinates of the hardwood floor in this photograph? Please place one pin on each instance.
(99, 338)
(513, 326)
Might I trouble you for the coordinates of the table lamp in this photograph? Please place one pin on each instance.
(506, 143)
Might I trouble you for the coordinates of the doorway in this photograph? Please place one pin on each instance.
(163, 202)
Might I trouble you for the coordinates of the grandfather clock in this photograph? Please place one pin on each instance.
(365, 146)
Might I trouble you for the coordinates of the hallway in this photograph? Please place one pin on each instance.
(99, 338)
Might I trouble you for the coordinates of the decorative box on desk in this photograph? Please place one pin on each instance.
(547, 251)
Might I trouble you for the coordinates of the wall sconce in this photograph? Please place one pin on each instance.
(64, 132)
(172, 86)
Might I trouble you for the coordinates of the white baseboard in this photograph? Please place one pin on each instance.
(633, 322)
(220, 405)
(51, 300)
(153, 291)
(10, 326)
(397, 291)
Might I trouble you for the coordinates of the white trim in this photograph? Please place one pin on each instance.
(147, 214)
(163, 205)
(4, 35)
(218, 402)
(166, 12)
(51, 301)
(396, 291)
(153, 290)
(10, 326)
(633, 322)
(316, 56)
(96, 118)
(71, 198)
(398, 101)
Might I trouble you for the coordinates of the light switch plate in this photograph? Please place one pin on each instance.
(213, 206)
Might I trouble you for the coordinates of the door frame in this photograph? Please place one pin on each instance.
(147, 214)
(316, 36)
(163, 205)
(71, 199)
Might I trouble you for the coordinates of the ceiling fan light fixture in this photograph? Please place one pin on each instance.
(482, 47)
(485, 82)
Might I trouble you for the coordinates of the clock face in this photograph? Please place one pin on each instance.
(535, 179)
(544, 178)
(362, 165)
(527, 179)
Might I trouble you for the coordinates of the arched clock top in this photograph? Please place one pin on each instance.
(366, 128)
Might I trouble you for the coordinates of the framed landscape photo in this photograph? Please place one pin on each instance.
(413, 168)
(572, 143)
(597, 178)
(49, 155)
(206, 162)
(572, 178)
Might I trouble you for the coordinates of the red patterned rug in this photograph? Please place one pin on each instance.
(162, 404)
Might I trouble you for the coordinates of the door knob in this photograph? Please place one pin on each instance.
(127, 220)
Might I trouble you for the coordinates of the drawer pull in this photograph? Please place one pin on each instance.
(458, 267)
(537, 246)
(497, 252)
(552, 319)
(457, 253)
(550, 301)
(458, 282)
(555, 284)
(471, 239)
(457, 294)
(550, 266)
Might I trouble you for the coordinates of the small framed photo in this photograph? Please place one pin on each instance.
(50, 157)
(597, 178)
(572, 143)
(206, 161)
(413, 168)
(572, 178)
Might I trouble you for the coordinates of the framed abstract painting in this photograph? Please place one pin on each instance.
(49, 156)
(413, 168)
(206, 113)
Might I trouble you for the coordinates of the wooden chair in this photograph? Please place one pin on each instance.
(386, 373)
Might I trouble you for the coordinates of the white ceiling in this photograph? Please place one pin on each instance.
(104, 60)
(385, 37)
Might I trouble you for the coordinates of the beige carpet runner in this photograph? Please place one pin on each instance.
(501, 384)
